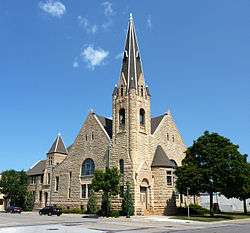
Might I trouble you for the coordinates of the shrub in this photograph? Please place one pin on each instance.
(92, 206)
(29, 202)
(127, 203)
(194, 210)
(114, 214)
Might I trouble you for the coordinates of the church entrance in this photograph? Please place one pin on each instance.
(144, 201)
(144, 194)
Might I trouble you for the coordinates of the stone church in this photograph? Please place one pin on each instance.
(145, 149)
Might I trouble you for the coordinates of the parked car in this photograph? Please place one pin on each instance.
(50, 210)
(14, 209)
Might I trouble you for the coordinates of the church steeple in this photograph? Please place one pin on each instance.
(131, 71)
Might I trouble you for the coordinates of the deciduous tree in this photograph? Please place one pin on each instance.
(108, 182)
(13, 185)
(209, 163)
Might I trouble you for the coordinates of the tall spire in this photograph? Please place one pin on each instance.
(131, 64)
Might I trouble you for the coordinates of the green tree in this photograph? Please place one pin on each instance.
(127, 202)
(92, 205)
(238, 184)
(29, 201)
(208, 164)
(13, 185)
(108, 182)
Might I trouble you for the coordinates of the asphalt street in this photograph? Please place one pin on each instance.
(68, 223)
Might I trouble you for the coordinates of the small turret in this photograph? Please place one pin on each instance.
(57, 152)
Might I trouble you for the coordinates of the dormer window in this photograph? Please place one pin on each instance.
(122, 117)
(142, 117)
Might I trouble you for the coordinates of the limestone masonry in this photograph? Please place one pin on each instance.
(145, 149)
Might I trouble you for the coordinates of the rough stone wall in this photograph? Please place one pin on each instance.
(132, 143)
(173, 147)
(96, 149)
(164, 195)
(168, 136)
(36, 188)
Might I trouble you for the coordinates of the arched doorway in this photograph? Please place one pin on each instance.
(144, 194)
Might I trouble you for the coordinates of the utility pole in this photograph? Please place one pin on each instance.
(188, 211)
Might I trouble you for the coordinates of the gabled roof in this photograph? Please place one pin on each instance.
(58, 146)
(106, 123)
(155, 121)
(161, 159)
(37, 169)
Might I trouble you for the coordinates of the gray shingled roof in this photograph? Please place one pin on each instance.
(155, 121)
(58, 146)
(38, 169)
(161, 159)
(107, 124)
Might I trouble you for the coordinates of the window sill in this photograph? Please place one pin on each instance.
(86, 176)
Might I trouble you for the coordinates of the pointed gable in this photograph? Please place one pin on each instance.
(161, 159)
(58, 146)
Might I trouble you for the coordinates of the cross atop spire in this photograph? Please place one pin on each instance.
(131, 70)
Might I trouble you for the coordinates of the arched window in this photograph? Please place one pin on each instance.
(88, 167)
(141, 90)
(122, 117)
(142, 117)
(121, 90)
(167, 136)
(121, 166)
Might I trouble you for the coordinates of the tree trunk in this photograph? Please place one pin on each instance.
(245, 205)
(211, 204)
(194, 200)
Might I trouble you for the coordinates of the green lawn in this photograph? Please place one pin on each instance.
(217, 217)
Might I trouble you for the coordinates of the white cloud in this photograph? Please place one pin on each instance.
(54, 8)
(119, 56)
(108, 9)
(75, 64)
(94, 57)
(149, 22)
(89, 28)
(107, 24)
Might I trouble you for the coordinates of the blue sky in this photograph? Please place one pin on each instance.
(59, 59)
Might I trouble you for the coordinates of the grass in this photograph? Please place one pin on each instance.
(216, 217)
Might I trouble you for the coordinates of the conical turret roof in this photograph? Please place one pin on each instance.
(161, 159)
(58, 146)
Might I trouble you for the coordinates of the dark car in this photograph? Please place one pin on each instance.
(14, 209)
(50, 210)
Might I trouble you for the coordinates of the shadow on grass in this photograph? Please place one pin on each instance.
(216, 217)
